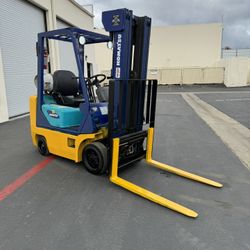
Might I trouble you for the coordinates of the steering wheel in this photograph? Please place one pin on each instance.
(96, 79)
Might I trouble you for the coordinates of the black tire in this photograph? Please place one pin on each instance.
(42, 146)
(95, 158)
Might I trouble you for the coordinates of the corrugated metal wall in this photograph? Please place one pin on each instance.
(20, 22)
(67, 56)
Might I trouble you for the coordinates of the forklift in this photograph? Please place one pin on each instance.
(104, 127)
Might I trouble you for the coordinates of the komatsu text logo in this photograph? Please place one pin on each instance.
(53, 114)
(119, 47)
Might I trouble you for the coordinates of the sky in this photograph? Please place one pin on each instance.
(234, 14)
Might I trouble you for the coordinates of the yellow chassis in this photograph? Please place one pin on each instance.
(62, 144)
(148, 194)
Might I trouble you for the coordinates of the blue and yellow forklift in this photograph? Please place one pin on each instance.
(104, 127)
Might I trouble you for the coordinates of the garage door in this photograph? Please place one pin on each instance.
(20, 22)
(67, 56)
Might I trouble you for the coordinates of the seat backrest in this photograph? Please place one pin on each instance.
(65, 83)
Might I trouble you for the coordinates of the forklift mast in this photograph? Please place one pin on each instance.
(130, 35)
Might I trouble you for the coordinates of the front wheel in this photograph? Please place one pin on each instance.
(42, 146)
(95, 158)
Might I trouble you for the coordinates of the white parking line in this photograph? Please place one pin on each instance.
(233, 100)
(232, 133)
(164, 101)
(204, 92)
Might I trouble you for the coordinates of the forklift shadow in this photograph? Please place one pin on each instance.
(76, 167)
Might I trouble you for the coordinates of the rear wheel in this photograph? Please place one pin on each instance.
(95, 158)
(42, 146)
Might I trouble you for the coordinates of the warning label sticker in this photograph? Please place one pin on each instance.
(117, 72)
(104, 110)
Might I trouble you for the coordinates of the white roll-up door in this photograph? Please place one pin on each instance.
(20, 22)
(67, 56)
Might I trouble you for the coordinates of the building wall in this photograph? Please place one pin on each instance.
(187, 75)
(185, 45)
(70, 12)
(3, 97)
(103, 55)
(180, 46)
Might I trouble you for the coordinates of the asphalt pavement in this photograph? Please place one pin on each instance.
(65, 207)
(235, 105)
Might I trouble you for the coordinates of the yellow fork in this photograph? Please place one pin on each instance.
(171, 169)
(141, 191)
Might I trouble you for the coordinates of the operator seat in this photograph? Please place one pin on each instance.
(66, 89)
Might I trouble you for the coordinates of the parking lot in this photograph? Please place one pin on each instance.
(236, 105)
(65, 207)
